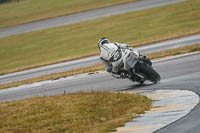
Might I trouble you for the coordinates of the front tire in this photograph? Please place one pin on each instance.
(149, 73)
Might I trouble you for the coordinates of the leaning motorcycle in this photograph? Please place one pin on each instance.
(138, 67)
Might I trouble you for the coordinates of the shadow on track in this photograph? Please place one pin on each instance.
(136, 86)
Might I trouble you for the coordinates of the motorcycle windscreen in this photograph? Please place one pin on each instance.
(131, 60)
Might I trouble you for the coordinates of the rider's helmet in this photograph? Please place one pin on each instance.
(102, 41)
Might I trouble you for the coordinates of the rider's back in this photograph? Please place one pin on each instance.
(107, 50)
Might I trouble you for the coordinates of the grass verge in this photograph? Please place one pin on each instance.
(24, 11)
(55, 76)
(38, 48)
(94, 112)
(176, 51)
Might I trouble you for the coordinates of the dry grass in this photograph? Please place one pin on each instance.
(24, 11)
(94, 112)
(176, 51)
(55, 76)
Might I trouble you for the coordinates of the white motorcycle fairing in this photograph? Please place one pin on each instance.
(124, 59)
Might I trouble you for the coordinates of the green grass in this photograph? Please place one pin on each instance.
(24, 11)
(94, 112)
(44, 47)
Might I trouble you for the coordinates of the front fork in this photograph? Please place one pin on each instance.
(138, 78)
(134, 76)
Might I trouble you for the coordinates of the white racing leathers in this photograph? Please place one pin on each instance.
(114, 55)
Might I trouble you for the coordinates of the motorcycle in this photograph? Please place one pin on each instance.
(138, 67)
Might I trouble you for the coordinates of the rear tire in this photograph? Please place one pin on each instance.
(149, 73)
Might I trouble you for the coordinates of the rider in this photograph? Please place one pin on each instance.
(111, 56)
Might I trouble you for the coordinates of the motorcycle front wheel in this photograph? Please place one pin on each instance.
(149, 73)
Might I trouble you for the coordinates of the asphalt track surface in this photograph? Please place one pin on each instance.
(84, 16)
(66, 66)
(177, 73)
